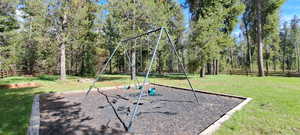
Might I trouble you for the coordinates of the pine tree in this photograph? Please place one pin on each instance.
(213, 21)
(8, 27)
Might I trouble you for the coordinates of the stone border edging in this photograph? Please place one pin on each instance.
(217, 124)
(34, 125)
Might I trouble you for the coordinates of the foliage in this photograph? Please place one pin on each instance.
(213, 21)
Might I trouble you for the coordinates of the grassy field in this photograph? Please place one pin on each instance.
(275, 108)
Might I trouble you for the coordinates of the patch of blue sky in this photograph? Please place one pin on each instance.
(104, 12)
(186, 13)
(289, 9)
(102, 2)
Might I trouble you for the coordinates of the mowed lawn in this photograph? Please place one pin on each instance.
(275, 108)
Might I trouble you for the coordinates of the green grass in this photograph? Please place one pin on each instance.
(275, 108)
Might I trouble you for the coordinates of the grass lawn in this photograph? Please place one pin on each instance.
(275, 108)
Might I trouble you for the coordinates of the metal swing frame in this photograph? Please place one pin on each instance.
(161, 30)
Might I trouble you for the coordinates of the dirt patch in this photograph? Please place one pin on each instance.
(86, 80)
(170, 112)
(20, 85)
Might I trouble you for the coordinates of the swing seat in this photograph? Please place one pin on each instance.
(151, 91)
(127, 87)
(140, 87)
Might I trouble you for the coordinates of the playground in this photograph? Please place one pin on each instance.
(149, 67)
(170, 111)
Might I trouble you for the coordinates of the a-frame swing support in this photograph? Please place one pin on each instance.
(161, 30)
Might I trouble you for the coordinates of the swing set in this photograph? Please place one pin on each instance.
(141, 86)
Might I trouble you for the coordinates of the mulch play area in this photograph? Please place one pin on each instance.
(171, 111)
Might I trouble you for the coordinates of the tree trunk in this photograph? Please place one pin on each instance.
(110, 66)
(249, 54)
(249, 59)
(274, 63)
(202, 72)
(208, 68)
(213, 67)
(231, 58)
(133, 53)
(171, 63)
(267, 67)
(183, 58)
(63, 51)
(71, 63)
(133, 62)
(82, 66)
(283, 60)
(259, 40)
(217, 67)
(298, 58)
(62, 62)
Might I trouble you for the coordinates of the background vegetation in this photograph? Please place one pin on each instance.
(76, 37)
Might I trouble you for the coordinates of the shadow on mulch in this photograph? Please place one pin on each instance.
(62, 113)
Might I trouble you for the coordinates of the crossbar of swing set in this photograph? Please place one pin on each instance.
(147, 33)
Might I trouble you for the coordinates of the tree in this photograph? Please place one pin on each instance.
(68, 27)
(245, 27)
(144, 15)
(261, 20)
(259, 40)
(213, 22)
(8, 27)
(294, 35)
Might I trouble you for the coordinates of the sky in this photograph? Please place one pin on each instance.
(288, 10)
(186, 13)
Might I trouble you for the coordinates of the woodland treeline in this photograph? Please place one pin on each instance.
(76, 37)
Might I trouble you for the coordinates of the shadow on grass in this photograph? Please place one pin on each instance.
(48, 77)
(17, 80)
(20, 79)
(170, 77)
(15, 110)
(279, 74)
(111, 78)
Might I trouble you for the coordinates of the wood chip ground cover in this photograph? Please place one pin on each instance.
(170, 112)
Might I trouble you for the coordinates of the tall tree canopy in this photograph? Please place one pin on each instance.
(213, 22)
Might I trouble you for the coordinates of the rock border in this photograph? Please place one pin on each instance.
(216, 125)
(34, 125)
